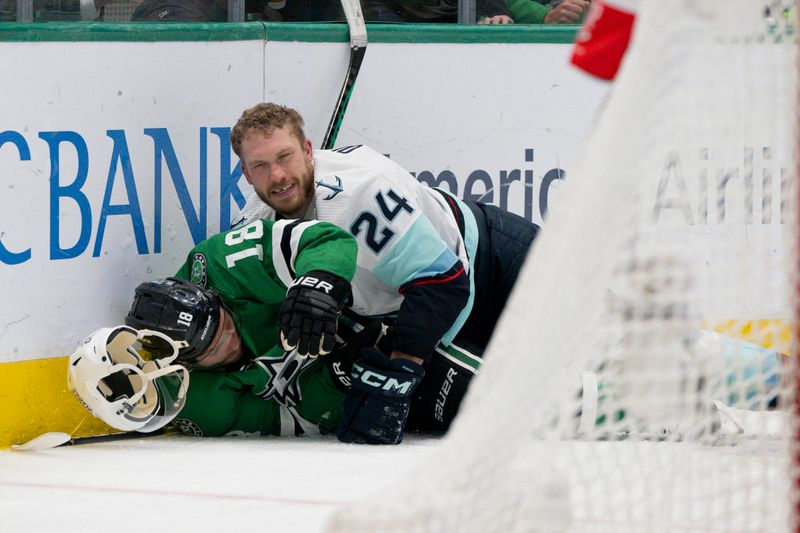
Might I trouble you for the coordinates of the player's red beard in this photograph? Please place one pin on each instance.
(297, 208)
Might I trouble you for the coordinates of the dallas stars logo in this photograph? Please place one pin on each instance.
(283, 373)
(198, 274)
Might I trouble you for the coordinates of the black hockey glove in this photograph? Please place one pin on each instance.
(340, 360)
(308, 315)
(376, 408)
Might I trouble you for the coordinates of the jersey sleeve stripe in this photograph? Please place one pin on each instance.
(460, 357)
(435, 281)
(286, 235)
(443, 264)
(294, 239)
(282, 262)
(458, 216)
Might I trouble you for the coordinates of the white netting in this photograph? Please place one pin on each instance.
(634, 382)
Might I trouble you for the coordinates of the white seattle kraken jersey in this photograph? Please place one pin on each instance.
(404, 229)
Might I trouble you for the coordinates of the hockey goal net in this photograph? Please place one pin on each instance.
(641, 378)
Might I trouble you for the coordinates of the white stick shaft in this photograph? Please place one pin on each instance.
(355, 21)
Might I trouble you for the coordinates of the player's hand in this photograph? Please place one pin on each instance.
(567, 12)
(308, 315)
(340, 360)
(497, 19)
(376, 408)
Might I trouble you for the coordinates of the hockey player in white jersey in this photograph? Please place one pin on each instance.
(438, 269)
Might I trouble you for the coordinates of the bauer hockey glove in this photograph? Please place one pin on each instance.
(309, 313)
(376, 408)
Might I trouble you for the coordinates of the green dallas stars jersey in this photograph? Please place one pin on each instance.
(228, 403)
(251, 268)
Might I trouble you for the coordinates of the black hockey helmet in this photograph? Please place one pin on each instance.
(186, 312)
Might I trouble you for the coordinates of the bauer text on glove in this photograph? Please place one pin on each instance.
(308, 315)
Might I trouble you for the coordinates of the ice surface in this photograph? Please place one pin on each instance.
(175, 483)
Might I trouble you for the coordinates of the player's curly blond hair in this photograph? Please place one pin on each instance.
(266, 117)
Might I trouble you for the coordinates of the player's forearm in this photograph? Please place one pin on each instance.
(400, 355)
(430, 308)
(324, 246)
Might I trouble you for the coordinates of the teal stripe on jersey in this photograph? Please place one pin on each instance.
(443, 263)
(470, 227)
(471, 242)
(419, 250)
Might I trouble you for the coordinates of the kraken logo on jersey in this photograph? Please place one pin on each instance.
(335, 188)
(283, 372)
(199, 271)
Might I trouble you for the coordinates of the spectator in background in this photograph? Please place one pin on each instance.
(489, 11)
(301, 11)
(8, 10)
(217, 11)
(181, 11)
(548, 12)
(43, 10)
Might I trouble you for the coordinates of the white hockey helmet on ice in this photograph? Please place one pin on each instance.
(122, 389)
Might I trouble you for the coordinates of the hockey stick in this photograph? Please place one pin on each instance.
(43, 442)
(57, 438)
(358, 47)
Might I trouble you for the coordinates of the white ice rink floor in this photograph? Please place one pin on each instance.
(176, 484)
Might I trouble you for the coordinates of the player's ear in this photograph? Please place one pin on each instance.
(308, 149)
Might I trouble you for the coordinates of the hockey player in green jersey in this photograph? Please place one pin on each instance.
(224, 307)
